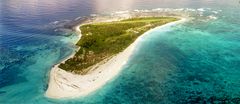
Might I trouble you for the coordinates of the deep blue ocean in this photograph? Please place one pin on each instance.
(193, 62)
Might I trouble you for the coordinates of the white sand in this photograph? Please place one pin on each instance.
(64, 84)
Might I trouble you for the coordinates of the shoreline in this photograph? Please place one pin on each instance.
(63, 84)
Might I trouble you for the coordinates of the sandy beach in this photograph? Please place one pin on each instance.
(64, 84)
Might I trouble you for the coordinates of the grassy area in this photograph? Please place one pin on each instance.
(103, 40)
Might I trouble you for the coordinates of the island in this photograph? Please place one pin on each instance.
(104, 47)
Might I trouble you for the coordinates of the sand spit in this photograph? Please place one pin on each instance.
(63, 84)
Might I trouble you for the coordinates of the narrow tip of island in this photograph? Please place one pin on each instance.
(104, 47)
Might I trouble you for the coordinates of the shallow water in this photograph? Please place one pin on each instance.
(197, 61)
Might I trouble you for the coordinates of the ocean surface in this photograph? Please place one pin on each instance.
(193, 62)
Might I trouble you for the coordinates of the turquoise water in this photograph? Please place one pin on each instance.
(194, 62)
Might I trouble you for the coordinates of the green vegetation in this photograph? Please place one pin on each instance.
(100, 41)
